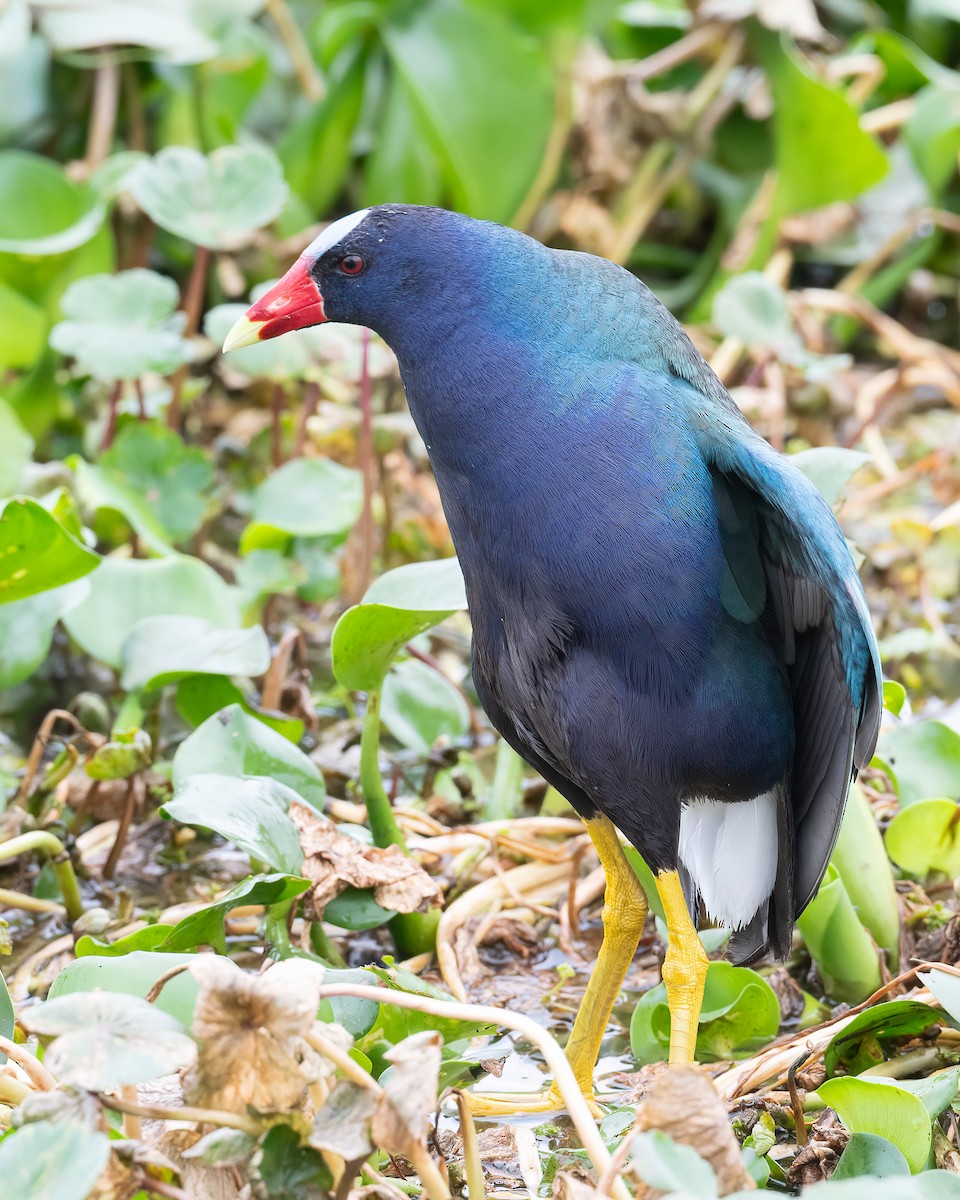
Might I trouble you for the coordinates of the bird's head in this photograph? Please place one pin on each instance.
(395, 268)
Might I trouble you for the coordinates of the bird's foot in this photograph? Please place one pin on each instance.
(508, 1104)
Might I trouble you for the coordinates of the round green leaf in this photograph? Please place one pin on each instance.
(232, 742)
(886, 1109)
(161, 650)
(52, 1160)
(216, 200)
(132, 975)
(26, 629)
(924, 758)
(23, 327)
(869, 1154)
(308, 497)
(836, 938)
(42, 212)
(356, 908)
(122, 326)
(251, 813)
(104, 1040)
(124, 591)
(36, 552)
(882, 1022)
(420, 705)
(16, 446)
(926, 837)
(423, 587)
(668, 1166)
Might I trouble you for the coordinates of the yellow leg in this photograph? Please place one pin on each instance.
(684, 969)
(624, 915)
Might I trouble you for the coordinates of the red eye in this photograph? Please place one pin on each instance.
(352, 264)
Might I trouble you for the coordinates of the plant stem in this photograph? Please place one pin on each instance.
(304, 67)
(193, 295)
(9, 899)
(277, 405)
(152, 1112)
(103, 111)
(323, 946)
(110, 429)
(413, 933)
(46, 843)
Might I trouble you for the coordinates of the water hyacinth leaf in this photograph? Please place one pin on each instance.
(23, 327)
(868, 1106)
(398, 606)
(292, 356)
(114, 504)
(53, 1160)
(924, 760)
(104, 1040)
(871, 1155)
(286, 1170)
(251, 813)
(214, 200)
(932, 132)
(232, 742)
(753, 308)
(200, 697)
(860, 860)
(26, 629)
(159, 474)
(403, 164)
(935, 1092)
(839, 944)
(36, 552)
(473, 74)
(161, 650)
(830, 468)
(740, 1014)
(420, 705)
(356, 909)
(122, 326)
(150, 937)
(8, 1018)
(24, 72)
(356, 1016)
(926, 837)
(946, 988)
(16, 447)
(894, 696)
(127, 752)
(132, 975)
(881, 1023)
(668, 1166)
(125, 591)
(399, 1023)
(43, 213)
(308, 497)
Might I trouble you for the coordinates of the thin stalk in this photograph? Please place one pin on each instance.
(9, 899)
(310, 404)
(324, 947)
(37, 1073)
(305, 69)
(212, 1116)
(13, 1091)
(413, 933)
(103, 111)
(471, 1149)
(110, 429)
(277, 404)
(46, 843)
(193, 295)
(123, 829)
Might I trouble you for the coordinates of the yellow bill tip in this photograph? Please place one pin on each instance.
(244, 333)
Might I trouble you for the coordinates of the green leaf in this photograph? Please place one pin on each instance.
(869, 1154)
(740, 1014)
(932, 133)
(926, 837)
(842, 949)
(104, 1040)
(398, 1023)
(8, 1018)
(830, 468)
(234, 743)
(400, 605)
(53, 1160)
(815, 123)
(122, 326)
(161, 650)
(894, 696)
(935, 1092)
(860, 859)
(473, 75)
(250, 812)
(127, 752)
(420, 705)
(357, 1016)
(23, 329)
(125, 591)
(24, 73)
(356, 908)
(881, 1023)
(171, 480)
(42, 212)
(102, 495)
(924, 760)
(16, 446)
(132, 975)
(215, 201)
(886, 1109)
(668, 1166)
(286, 1170)
(308, 497)
(946, 988)
(36, 552)
(754, 309)
(200, 697)
(26, 629)
(403, 165)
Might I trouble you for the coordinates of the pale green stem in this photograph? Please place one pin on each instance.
(46, 843)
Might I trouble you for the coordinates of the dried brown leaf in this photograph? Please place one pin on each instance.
(343, 1124)
(409, 1097)
(199, 1181)
(251, 1032)
(683, 1103)
(334, 862)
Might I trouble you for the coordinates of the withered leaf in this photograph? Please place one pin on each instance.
(251, 1032)
(409, 1097)
(334, 861)
(343, 1124)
